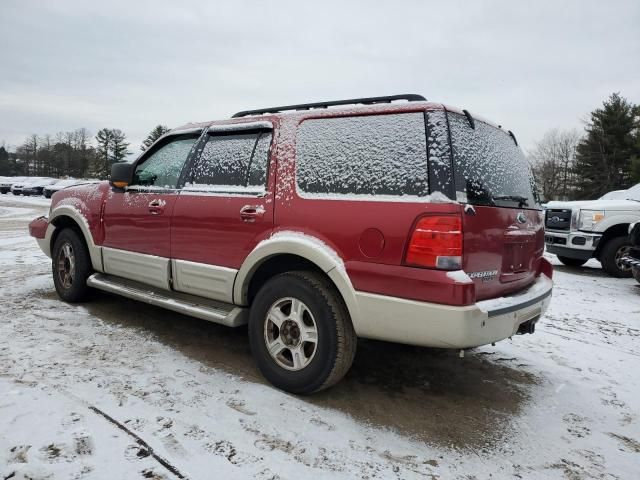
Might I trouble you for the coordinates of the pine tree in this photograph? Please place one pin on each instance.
(104, 139)
(5, 165)
(603, 157)
(155, 134)
(119, 146)
(112, 148)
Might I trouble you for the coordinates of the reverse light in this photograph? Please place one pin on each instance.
(436, 242)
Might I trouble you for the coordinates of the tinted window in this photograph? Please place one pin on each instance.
(368, 155)
(233, 161)
(162, 168)
(440, 175)
(489, 167)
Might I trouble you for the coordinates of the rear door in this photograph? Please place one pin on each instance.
(223, 211)
(503, 224)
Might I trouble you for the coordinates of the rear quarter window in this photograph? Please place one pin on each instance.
(376, 155)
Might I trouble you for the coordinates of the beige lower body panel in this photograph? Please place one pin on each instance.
(435, 325)
(139, 267)
(207, 281)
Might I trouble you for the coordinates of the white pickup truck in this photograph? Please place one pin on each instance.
(578, 231)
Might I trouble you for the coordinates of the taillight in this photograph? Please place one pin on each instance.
(436, 242)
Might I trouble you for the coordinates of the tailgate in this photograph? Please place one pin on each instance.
(502, 249)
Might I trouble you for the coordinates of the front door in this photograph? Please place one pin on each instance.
(137, 221)
(223, 211)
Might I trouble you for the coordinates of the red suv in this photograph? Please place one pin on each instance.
(389, 218)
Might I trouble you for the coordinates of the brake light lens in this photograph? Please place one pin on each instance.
(436, 242)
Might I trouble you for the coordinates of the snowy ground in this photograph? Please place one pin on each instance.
(117, 389)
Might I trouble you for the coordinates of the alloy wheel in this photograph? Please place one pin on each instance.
(66, 265)
(291, 333)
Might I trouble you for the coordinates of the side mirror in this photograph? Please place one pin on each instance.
(121, 174)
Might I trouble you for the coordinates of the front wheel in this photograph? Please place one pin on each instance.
(611, 256)
(572, 262)
(300, 333)
(71, 265)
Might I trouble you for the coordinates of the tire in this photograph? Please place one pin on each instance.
(317, 365)
(71, 266)
(635, 271)
(572, 262)
(610, 255)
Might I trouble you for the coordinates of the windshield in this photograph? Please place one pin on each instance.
(490, 169)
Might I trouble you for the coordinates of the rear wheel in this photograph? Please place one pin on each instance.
(300, 333)
(572, 262)
(611, 256)
(71, 265)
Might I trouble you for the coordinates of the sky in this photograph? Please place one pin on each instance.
(529, 66)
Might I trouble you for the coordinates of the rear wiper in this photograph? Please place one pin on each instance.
(522, 201)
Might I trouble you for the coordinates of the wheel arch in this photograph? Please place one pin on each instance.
(283, 253)
(69, 217)
(617, 230)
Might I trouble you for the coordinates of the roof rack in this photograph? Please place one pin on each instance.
(411, 97)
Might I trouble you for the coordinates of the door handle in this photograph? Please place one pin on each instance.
(249, 213)
(156, 207)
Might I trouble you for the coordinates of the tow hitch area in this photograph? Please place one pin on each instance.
(528, 327)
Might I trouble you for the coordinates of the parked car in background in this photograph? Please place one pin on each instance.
(580, 230)
(37, 186)
(632, 258)
(316, 226)
(17, 187)
(69, 182)
(7, 183)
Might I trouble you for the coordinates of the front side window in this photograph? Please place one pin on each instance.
(363, 156)
(162, 168)
(232, 162)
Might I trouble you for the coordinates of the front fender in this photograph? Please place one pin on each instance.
(617, 219)
(70, 211)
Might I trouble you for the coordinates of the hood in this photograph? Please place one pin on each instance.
(596, 205)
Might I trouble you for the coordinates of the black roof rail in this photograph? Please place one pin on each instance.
(411, 97)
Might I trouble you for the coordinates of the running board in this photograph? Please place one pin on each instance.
(203, 308)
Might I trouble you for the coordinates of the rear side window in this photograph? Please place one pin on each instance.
(366, 155)
(232, 162)
(489, 167)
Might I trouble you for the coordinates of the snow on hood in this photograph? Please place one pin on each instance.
(597, 204)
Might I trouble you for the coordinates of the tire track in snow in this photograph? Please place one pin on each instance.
(161, 460)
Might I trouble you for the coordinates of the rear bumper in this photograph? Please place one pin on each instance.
(435, 325)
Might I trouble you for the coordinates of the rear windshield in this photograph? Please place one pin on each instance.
(489, 167)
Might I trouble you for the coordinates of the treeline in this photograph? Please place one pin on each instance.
(75, 154)
(569, 165)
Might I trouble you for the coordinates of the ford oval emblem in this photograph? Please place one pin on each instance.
(521, 217)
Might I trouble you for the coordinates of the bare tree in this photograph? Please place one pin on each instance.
(553, 158)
